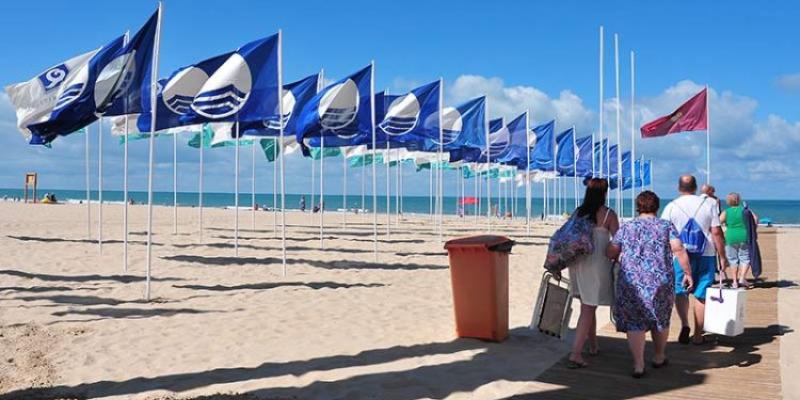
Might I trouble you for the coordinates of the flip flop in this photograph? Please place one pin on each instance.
(576, 365)
(662, 364)
(683, 338)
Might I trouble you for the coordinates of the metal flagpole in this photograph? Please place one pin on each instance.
(489, 167)
(708, 139)
(125, 200)
(313, 185)
(374, 175)
(594, 169)
(236, 196)
(321, 191)
(275, 156)
(174, 183)
(528, 192)
(576, 155)
(200, 192)
(281, 151)
(633, 137)
(430, 191)
(600, 132)
(477, 192)
(100, 184)
(386, 161)
(153, 96)
(344, 186)
(253, 180)
(363, 184)
(88, 187)
(620, 204)
(397, 188)
(438, 163)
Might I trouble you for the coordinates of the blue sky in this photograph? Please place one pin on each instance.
(522, 54)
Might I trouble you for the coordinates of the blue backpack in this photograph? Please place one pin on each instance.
(692, 234)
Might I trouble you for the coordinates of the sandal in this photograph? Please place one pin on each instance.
(576, 365)
(638, 374)
(662, 364)
(683, 338)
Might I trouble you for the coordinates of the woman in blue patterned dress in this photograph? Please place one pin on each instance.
(645, 286)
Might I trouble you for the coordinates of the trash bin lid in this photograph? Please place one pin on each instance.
(487, 242)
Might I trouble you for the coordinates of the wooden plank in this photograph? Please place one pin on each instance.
(717, 370)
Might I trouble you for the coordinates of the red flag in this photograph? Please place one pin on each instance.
(468, 200)
(690, 116)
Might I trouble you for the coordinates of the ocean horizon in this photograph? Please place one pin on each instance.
(781, 212)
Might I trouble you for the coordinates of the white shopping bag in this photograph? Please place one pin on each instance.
(725, 311)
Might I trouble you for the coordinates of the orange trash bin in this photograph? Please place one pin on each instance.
(479, 275)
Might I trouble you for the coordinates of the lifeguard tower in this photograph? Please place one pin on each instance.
(30, 182)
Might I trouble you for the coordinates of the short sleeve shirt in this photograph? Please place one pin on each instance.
(703, 209)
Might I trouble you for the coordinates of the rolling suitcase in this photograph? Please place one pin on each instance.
(553, 307)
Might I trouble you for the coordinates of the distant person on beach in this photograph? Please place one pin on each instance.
(687, 212)
(590, 276)
(645, 285)
(711, 192)
(736, 241)
(303, 203)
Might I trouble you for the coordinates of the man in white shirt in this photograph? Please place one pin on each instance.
(704, 266)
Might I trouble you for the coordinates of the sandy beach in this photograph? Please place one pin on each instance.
(338, 326)
(335, 326)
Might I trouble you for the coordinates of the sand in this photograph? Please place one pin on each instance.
(338, 325)
(788, 304)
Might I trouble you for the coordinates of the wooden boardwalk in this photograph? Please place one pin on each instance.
(743, 367)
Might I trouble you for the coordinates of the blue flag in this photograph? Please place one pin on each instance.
(341, 113)
(543, 152)
(411, 120)
(499, 140)
(76, 99)
(244, 88)
(462, 126)
(565, 164)
(584, 162)
(601, 150)
(647, 173)
(126, 81)
(295, 96)
(517, 152)
(627, 178)
(611, 158)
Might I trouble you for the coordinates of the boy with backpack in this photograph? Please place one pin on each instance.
(697, 220)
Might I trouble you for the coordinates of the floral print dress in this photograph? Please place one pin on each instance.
(645, 286)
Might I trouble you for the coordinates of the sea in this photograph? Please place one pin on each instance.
(780, 212)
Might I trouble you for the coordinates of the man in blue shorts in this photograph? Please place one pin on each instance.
(705, 212)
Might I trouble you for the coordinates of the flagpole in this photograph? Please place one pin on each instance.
(620, 205)
(633, 136)
(236, 196)
(439, 156)
(253, 178)
(88, 187)
(708, 138)
(153, 97)
(200, 183)
(397, 189)
(374, 175)
(275, 156)
(363, 185)
(281, 151)
(430, 191)
(125, 200)
(576, 155)
(321, 191)
(175, 183)
(386, 161)
(100, 184)
(344, 187)
(594, 172)
(313, 186)
(600, 131)
(488, 166)
(527, 172)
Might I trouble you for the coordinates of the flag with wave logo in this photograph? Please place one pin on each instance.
(294, 97)
(341, 113)
(61, 100)
(499, 141)
(543, 152)
(565, 152)
(517, 151)
(125, 84)
(463, 126)
(583, 164)
(411, 120)
(243, 88)
(647, 171)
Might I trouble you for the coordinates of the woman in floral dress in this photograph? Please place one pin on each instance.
(645, 286)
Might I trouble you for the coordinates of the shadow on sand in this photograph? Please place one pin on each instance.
(82, 278)
(339, 264)
(511, 361)
(275, 285)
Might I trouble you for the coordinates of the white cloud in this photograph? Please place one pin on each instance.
(789, 82)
